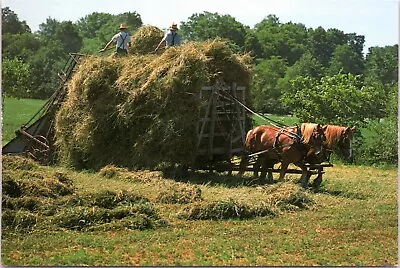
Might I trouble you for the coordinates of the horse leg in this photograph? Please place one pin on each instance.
(257, 165)
(317, 182)
(268, 164)
(243, 164)
(304, 175)
(282, 173)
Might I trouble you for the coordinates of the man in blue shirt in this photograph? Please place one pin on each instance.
(122, 40)
(171, 38)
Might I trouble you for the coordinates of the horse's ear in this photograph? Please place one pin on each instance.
(352, 129)
(324, 127)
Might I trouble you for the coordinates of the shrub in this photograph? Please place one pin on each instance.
(381, 146)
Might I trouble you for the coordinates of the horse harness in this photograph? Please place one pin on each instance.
(295, 137)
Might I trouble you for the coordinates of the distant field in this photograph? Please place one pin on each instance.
(276, 119)
(17, 112)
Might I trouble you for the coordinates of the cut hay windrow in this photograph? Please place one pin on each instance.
(141, 111)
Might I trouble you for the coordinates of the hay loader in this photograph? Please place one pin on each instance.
(35, 137)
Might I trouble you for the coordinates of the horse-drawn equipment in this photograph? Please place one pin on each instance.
(35, 137)
(222, 129)
(224, 119)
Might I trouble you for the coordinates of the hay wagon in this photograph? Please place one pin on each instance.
(221, 127)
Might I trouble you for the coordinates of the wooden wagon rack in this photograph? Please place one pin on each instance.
(221, 128)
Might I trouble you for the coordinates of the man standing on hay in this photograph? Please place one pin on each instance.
(122, 40)
(171, 38)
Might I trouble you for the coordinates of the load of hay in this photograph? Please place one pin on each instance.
(141, 111)
(145, 40)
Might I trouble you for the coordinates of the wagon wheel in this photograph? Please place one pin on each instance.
(38, 149)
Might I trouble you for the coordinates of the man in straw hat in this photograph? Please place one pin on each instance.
(171, 38)
(122, 40)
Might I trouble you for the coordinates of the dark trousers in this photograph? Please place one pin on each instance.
(122, 52)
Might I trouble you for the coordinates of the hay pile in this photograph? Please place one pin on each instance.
(142, 110)
(145, 40)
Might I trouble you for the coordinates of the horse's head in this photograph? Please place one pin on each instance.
(345, 141)
(313, 136)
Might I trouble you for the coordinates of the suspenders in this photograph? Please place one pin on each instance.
(123, 40)
(173, 39)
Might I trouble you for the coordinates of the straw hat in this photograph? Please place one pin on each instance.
(173, 27)
(122, 26)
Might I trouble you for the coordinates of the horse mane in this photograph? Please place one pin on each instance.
(307, 130)
(333, 134)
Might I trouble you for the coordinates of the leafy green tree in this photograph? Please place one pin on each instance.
(392, 103)
(15, 78)
(266, 94)
(346, 59)
(207, 25)
(252, 45)
(341, 99)
(322, 43)
(381, 64)
(306, 66)
(11, 24)
(22, 46)
(98, 28)
(90, 24)
(45, 65)
(356, 42)
(66, 32)
(287, 40)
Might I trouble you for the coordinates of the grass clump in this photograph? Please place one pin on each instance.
(110, 199)
(288, 196)
(18, 221)
(111, 171)
(220, 210)
(18, 163)
(180, 194)
(81, 218)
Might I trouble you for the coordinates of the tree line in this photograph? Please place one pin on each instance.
(319, 75)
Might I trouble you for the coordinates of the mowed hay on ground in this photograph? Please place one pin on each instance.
(35, 198)
(142, 110)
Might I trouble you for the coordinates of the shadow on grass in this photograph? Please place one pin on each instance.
(339, 192)
(205, 177)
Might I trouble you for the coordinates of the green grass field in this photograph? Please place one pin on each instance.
(351, 220)
(17, 112)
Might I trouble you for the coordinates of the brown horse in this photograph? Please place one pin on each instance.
(337, 137)
(285, 145)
